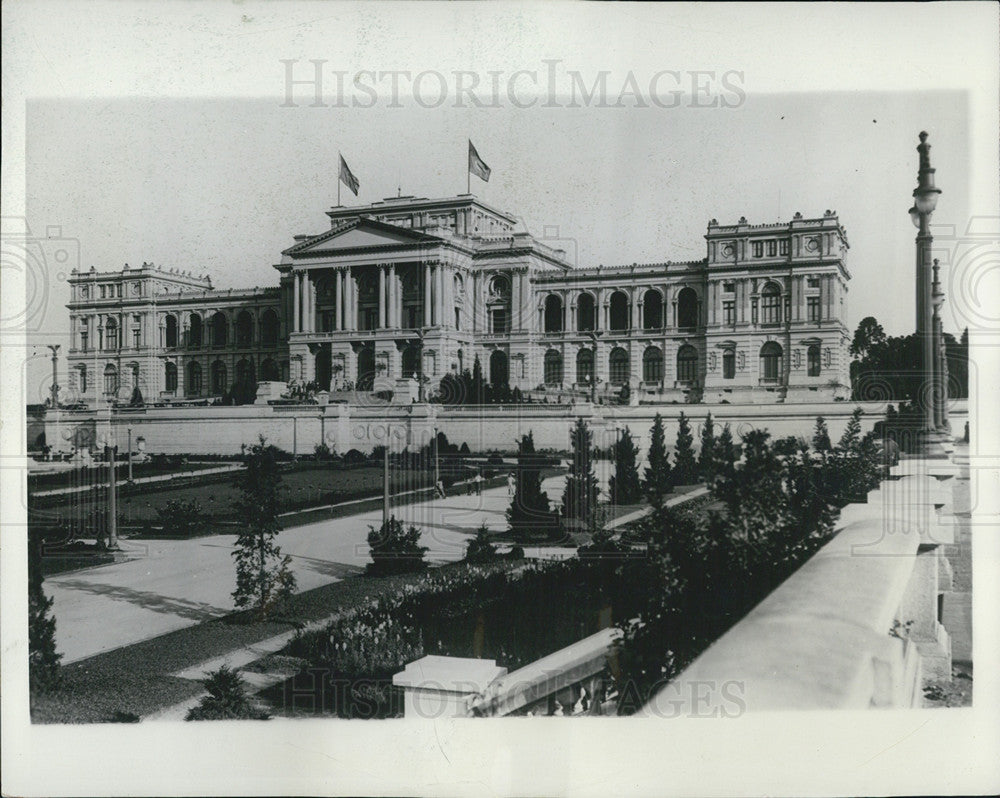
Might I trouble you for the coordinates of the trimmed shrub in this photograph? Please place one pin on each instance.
(394, 549)
(226, 700)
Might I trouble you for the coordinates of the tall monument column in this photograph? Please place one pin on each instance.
(925, 197)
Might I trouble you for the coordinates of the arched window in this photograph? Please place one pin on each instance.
(729, 364)
(218, 378)
(652, 364)
(219, 330)
(770, 304)
(652, 310)
(619, 310)
(193, 382)
(553, 314)
(770, 362)
(618, 366)
(812, 358)
(83, 379)
(366, 367)
(110, 379)
(585, 312)
(170, 377)
(687, 309)
(171, 331)
(194, 335)
(553, 368)
(269, 371)
(411, 361)
(244, 329)
(585, 366)
(499, 369)
(269, 328)
(111, 334)
(687, 363)
(245, 372)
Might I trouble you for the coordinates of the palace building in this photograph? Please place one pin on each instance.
(409, 288)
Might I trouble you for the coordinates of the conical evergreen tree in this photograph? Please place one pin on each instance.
(850, 441)
(685, 466)
(706, 457)
(821, 436)
(658, 480)
(476, 396)
(529, 515)
(579, 501)
(624, 486)
(726, 454)
(43, 661)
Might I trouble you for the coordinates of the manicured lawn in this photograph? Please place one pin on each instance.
(302, 487)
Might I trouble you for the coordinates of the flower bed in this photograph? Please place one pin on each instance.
(513, 614)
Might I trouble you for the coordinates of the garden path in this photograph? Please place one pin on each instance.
(165, 585)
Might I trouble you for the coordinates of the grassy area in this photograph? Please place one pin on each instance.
(137, 680)
(302, 487)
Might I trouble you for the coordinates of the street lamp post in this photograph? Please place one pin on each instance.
(130, 454)
(109, 453)
(925, 197)
(55, 384)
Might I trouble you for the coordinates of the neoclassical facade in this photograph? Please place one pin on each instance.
(411, 287)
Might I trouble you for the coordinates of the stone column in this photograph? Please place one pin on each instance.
(381, 298)
(427, 295)
(338, 299)
(296, 283)
(516, 299)
(439, 303)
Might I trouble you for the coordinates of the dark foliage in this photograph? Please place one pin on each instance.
(624, 486)
(479, 549)
(226, 700)
(395, 549)
(657, 483)
(685, 471)
(43, 660)
(530, 516)
(579, 501)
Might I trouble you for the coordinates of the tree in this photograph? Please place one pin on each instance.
(477, 391)
(227, 699)
(726, 453)
(395, 550)
(479, 549)
(706, 457)
(821, 436)
(851, 439)
(263, 575)
(579, 501)
(43, 660)
(868, 337)
(624, 486)
(685, 467)
(530, 515)
(658, 482)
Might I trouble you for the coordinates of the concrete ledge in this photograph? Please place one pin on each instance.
(821, 640)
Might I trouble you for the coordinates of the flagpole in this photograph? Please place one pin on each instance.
(340, 159)
(468, 171)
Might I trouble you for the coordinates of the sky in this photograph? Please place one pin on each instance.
(220, 186)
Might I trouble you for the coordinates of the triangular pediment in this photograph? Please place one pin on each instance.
(359, 234)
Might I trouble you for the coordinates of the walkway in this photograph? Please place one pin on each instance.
(169, 584)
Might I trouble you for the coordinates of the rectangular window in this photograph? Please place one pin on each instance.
(458, 319)
(83, 340)
(812, 282)
(783, 246)
(729, 312)
(104, 292)
(772, 248)
(136, 338)
(753, 311)
(498, 321)
(729, 287)
(758, 249)
(119, 290)
(771, 307)
(812, 306)
(729, 364)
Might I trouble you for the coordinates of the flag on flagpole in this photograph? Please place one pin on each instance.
(477, 166)
(347, 177)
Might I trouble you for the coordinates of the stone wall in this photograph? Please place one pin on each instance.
(298, 429)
